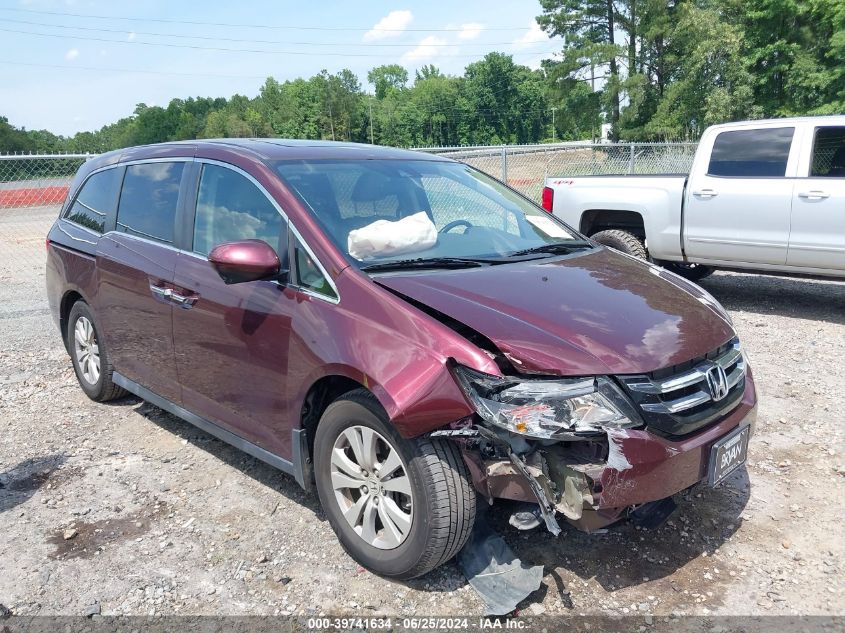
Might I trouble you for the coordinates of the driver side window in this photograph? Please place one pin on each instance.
(452, 201)
(231, 208)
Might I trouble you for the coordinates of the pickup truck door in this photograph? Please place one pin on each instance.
(817, 239)
(739, 197)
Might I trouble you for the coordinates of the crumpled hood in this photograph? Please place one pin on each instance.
(592, 313)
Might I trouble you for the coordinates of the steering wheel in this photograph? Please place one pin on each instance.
(455, 224)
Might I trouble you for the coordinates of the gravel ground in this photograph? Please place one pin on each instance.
(124, 509)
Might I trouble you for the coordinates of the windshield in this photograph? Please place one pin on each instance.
(380, 212)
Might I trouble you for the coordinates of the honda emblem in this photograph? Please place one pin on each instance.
(717, 382)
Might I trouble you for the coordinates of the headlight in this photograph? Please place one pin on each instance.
(547, 408)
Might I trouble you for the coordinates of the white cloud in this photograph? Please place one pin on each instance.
(428, 48)
(470, 31)
(130, 37)
(391, 25)
(533, 36)
(72, 54)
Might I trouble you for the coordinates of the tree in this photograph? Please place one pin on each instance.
(710, 83)
(794, 49)
(589, 31)
(429, 71)
(387, 78)
(502, 102)
(655, 69)
(13, 139)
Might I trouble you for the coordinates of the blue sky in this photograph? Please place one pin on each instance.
(76, 75)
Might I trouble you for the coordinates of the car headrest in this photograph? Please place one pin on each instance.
(317, 191)
(372, 186)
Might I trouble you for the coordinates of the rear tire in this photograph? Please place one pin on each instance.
(437, 496)
(623, 241)
(90, 356)
(693, 272)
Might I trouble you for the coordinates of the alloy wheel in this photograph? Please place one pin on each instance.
(86, 350)
(372, 487)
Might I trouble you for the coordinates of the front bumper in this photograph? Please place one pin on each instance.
(638, 467)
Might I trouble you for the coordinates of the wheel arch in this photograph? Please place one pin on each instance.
(69, 298)
(596, 220)
(317, 399)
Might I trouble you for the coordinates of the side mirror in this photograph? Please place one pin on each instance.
(245, 260)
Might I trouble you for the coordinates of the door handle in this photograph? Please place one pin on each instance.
(182, 301)
(161, 292)
(186, 302)
(814, 195)
(706, 193)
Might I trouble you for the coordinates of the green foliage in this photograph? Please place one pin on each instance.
(652, 69)
(387, 78)
(676, 67)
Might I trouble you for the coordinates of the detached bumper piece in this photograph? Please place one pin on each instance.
(495, 572)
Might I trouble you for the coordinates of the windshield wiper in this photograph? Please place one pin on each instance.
(426, 262)
(557, 247)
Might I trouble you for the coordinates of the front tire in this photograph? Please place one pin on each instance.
(399, 507)
(623, 241)
(89, 355)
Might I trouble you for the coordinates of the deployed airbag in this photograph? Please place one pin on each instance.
(411, 234)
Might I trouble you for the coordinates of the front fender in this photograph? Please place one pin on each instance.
(382, 342)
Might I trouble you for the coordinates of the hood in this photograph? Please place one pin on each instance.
(593, 313)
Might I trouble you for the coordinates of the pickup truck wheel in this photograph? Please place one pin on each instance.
(90, 356)
(399, 507)
(693, 272)
(623, 241)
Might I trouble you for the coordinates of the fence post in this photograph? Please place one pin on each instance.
(631, 159)
(505, 164)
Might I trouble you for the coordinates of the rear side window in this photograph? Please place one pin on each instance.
(751, 153)
(829, 153)
(148, 200)
(96, 200)
(230, 208)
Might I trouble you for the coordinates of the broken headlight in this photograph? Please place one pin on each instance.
(547, 408)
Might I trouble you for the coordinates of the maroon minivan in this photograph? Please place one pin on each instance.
(399, 331)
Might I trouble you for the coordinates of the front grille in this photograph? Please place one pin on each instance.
(679, 400)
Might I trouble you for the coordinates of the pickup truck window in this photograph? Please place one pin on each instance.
(751, 153)
(829, 153)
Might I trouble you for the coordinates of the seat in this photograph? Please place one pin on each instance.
(316, 189)
(373, 187)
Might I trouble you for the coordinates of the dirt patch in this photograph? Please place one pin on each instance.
(84, 540)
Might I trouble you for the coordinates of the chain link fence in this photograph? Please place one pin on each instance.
(32, 187)
(525, 167)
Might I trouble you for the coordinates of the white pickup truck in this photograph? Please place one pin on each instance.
(762, 195)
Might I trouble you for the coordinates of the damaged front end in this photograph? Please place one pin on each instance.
(550, 441)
